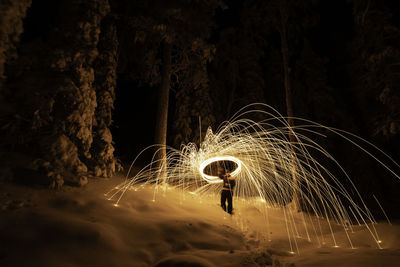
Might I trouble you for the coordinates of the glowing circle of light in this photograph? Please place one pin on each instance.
(215, 179)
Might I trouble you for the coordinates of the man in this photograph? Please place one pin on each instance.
(227, 189)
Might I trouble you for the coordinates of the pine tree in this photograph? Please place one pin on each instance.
(376, 58)
(285, 19)
(51, 86)
(171, 36)
(103, 163)
(237, 74)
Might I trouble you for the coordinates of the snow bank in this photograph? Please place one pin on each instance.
(80, 227)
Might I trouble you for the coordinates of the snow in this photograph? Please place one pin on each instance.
(80, 227)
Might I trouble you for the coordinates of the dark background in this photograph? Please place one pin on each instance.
(343, 60)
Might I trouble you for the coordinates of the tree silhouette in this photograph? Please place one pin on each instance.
(171, 37)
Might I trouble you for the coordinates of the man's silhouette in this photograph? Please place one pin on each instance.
(227, 189)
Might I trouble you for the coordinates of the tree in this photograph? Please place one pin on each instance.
(284, 18)
(282, 28)
(237, 73)
(162, 103)
(12, 14)
(103, 163)
(374, 92)
(193, 103)
(51, 88)
(171, 36)
(376, 58)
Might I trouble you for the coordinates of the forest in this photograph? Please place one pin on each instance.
(86, 85)
(81, 81)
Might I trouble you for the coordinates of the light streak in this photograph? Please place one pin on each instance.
(215, 179)
(270, 170)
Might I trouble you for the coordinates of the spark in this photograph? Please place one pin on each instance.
(270, 169)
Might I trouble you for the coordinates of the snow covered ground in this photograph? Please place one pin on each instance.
(80, 227)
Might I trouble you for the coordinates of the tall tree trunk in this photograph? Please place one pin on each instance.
(288, 97)
(162, 107)
(286, 80)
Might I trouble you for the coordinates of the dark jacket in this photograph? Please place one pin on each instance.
(229, 182)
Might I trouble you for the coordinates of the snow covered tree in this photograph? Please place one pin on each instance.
(375, 65)
(12, 14)
(103, 163)
(51, 87)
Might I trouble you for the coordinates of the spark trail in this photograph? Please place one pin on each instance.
(269, 169)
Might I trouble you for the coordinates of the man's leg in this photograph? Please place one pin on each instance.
(223, 200)
(230, 204)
